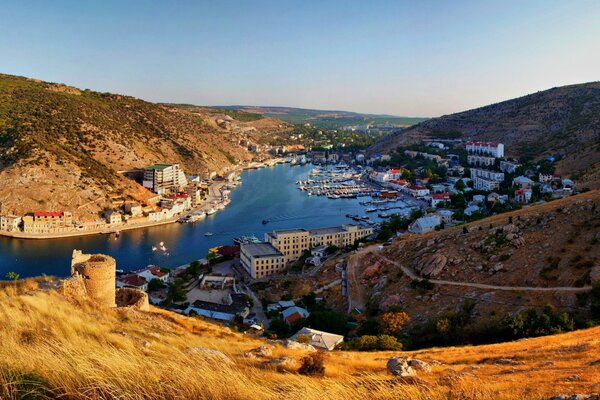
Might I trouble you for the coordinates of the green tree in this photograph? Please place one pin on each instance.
(154, 284)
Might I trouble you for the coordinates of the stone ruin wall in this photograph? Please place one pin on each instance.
(134, 298)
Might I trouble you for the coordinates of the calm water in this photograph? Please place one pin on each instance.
(268, 193)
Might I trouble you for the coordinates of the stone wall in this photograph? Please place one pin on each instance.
(135, 298)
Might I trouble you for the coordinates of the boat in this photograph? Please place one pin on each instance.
(208, 234)
(245, 239)
(371, 209)
(265, 221)
(211, 211)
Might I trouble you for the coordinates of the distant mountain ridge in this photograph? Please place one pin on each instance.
(325, 118)
(563, 121)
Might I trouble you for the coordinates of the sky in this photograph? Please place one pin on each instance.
(410, 58)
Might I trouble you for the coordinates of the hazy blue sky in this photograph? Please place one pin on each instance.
(421, 58)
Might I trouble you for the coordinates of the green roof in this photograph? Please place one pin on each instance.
(159, 166)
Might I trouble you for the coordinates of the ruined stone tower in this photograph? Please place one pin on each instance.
(99, 273)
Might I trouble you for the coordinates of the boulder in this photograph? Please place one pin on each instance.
(506, 361)
(433, 265)
(420, 365)
(290, 344)
(283, 363)
(399, 366)
(262, 351)
(575, 397)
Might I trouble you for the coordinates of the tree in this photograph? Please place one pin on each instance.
(302, 338)
(460, 185)
(176, 292)
(154, 284)
(329, 321)
(194, 268)
(393, 322)
(13, 276)
(279, 327)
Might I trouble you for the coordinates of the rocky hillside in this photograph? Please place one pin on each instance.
(132, 354)
(543, 255)
(563, 121)
(61, 147)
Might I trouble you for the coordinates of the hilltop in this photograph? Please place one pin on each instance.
(562, 121)
(326, 118)
(56, 346)
(63, 148)
(477, 276)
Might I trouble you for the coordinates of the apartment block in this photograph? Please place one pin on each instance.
(164, 178)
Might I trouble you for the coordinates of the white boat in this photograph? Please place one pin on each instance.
(208, 234)
(211, 211)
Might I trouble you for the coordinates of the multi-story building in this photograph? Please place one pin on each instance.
(47, 222)
(261, 259)
(481, 161)
(292, 243)
(487, 174)
(480, 183)
(490, 148)
(523, 196)
(10, 223)
(509, 167)
(164, 178)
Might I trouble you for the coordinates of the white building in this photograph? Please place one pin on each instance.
(439, 198)
(164, 178)
(487, 174)
(319, 339)
(491, 148)
(523, 195)
(522, 182)
(261, 259)
(481, 161)
(425, 224)
(485, 184)
(509, 167)
(10, 223)
(446, 215)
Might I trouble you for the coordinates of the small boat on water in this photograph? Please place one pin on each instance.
(208, 234)
(211, 211)
(265, 221)
(370, 209)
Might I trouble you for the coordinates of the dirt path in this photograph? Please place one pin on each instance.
(411, 274)
(356, 291)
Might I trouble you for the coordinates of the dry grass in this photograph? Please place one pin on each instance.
(54, 347)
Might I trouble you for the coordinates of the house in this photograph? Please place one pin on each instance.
(479, 199)
(319, 251)
(113, 218)
(153, 272)
(133, 281)
(439, 198)
(495, 197)
(548, 177)
(446, 215)
(522, 182)
(237, 304)
(10, 223)
(567, 183)
(425, 224)
(286, 303)
(509, 167)
(417, 190)
(293, 314)
(523, 195)
(471, 210)
(319, 339)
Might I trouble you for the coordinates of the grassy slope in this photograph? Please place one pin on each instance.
(58, 347)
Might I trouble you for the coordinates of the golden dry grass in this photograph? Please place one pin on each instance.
(54, 347)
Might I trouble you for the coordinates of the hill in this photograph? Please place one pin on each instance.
(326, 118)
(59, 347)
(562, 121)
(61, 147)
(477, 277)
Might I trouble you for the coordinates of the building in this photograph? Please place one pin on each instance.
(133, 281)
(293, 242)
(134, 209)
(487, 174)
(548, 177)
(509, 167)
(439, 198)
(319, 339)
(113, 217)
(293, 314)
(480, 161)
(471, 210)
(261, 259)
(495, 197)
(164, 178)
(98, 272)
(153, 272)
(479, 199)
(416, 190)
(10, 223)
(425, 224)
(47, 222)
(523, 195)
(485, 148)
(236, 305)
(523, 182)
(446, 215)
(485, 184)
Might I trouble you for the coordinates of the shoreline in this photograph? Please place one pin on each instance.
(212, 190)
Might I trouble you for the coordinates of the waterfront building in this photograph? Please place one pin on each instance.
(47, 222)
(10, 223)
(164, 178)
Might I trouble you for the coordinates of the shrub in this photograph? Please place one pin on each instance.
(313, 365)
(302, 338)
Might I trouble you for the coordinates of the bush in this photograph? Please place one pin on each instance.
(313, 365)
(373, 343)
(302, 338)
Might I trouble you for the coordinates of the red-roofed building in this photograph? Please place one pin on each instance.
(416, 190)
(229, 251)
(152, 272)
(134, 281)
(438, 198)
(47, 222)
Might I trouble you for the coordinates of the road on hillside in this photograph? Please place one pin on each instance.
(412, 275)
